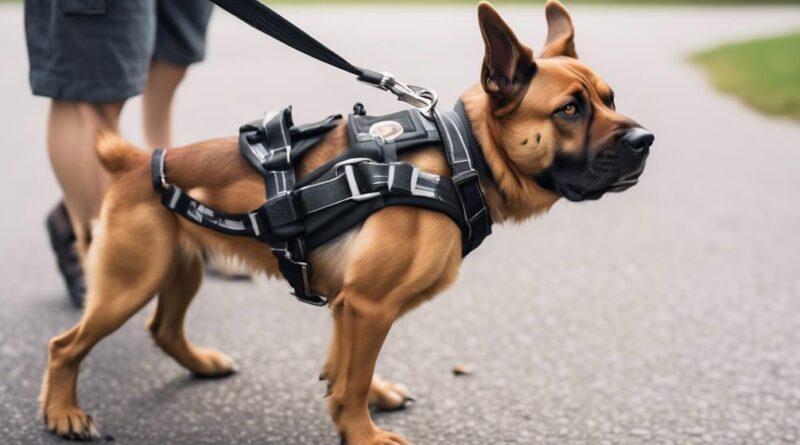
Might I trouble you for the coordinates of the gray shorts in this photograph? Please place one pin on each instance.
(100, 50)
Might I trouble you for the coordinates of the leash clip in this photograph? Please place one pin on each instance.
(424, 99)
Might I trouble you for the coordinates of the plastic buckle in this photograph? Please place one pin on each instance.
(468, 175)
(412, 183)
(349, 172)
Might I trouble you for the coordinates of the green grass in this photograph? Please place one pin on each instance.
(764, 73)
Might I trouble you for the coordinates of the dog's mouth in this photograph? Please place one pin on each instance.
(624, 183)
(578, 180)
(575, 192)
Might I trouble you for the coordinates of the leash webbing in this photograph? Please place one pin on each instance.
(266, 20)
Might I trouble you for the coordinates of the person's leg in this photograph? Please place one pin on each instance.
(180, 41)
(162, 82)
(88, 56)
(71, 131)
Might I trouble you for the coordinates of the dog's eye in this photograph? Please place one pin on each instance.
(570, 109)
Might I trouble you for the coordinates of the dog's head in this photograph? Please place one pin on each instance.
(552, 118)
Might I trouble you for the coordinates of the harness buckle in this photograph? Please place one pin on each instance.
(352, 182)
(400, 170)
(305, 294)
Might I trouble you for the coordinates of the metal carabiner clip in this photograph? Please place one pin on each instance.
(421, 98)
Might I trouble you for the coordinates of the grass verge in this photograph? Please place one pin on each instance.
(764, 73)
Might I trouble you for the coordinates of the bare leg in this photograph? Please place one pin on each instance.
(162, 83)
(71, 131)
(167, 323)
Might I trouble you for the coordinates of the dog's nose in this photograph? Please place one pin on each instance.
(638, 139)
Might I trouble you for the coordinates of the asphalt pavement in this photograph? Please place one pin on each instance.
(668, 314)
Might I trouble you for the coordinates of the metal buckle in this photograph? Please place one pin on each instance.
(162, 174)
(349, 172)
(421, 98)
(308, 296)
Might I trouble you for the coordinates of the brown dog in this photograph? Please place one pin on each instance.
(552, 114)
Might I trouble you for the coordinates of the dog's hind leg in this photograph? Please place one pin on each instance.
(167, 322)
(128, 264)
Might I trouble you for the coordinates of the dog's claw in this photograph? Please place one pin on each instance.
(72, 425)
(407, 402)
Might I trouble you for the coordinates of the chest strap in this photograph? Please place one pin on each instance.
(456, 136)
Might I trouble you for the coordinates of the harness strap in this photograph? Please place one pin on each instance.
(275, 156)
(455, 139)
(359, 180)
(175, 199)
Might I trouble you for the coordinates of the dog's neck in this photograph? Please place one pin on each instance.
(510, 193)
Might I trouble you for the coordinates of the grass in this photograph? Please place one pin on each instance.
(764, 73)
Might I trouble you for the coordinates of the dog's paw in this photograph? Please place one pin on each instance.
(376, 437)
(71, 423)
(386, 396)
(214, 364)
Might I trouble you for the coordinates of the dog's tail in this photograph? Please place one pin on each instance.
(115, 153)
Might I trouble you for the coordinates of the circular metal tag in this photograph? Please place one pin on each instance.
(386, 131)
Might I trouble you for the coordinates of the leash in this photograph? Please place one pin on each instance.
(266, 20)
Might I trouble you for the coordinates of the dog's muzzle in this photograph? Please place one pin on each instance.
(612, 170)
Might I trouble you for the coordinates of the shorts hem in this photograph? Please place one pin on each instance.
(170, 57)
(49, 84)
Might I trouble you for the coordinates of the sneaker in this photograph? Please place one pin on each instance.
(62, 239)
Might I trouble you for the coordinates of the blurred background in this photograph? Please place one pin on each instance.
(668, 314)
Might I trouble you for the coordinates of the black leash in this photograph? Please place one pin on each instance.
(264, 19)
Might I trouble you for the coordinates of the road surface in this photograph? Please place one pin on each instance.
(669, 314)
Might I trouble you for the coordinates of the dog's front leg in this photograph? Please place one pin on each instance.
(361, 325)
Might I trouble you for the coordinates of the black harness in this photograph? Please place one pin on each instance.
(301, 215)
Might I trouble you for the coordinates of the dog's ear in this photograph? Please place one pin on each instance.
(560, 32)
(508, 65)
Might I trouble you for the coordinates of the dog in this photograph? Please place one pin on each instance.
(549, 116)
